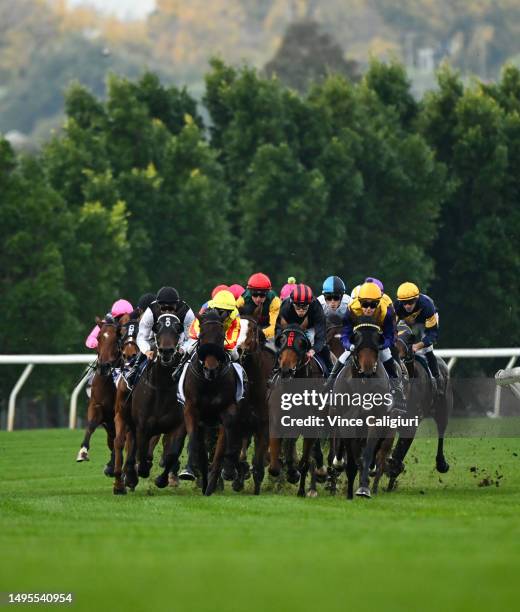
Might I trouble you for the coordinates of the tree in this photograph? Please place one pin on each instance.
(308, 56)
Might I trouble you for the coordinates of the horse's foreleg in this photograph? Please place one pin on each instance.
(303, 467)
(351, 466)
(94, 418)
(275, 465)
(441, 419)
(366, 461)
(291, 459)
(216, 464)
(261, 444)
(382, 453)
(119, 442)
(172, 444)
(111, 434)
(130, 475)
(142, 441)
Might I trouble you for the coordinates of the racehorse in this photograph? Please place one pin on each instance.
(210, 391)
(122, 418)
(425, 403)
(100, 410)
(258, 362)
(155, 409)
(293, 346)
(362, 367)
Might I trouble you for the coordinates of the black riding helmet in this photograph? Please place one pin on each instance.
(145, 300)
(167, 295)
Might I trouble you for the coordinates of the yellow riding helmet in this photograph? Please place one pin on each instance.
(223, 299)
(407, 291)
(369, 291)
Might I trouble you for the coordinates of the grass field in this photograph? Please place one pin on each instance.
(437, 543)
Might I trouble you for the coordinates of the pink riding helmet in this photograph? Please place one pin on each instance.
(121, 307)
(287, 288)
(236, 290)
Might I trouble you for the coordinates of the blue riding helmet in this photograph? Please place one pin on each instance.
(334, 284)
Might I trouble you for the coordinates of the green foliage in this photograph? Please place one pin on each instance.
(476, 133)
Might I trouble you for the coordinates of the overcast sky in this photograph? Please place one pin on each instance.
(125, 9)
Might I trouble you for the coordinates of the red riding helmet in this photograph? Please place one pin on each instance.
(259, 281)
(217, 289)
(301, 294)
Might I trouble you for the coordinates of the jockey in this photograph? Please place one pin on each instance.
(386, 299)
(334, 298)
(369, 303)
(286, 290)
(260, 298)
(166, 301)
(119, 308)
(214, 292)
(304, 310)
(223, 302)
(419, 312)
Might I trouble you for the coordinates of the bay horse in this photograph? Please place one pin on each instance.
(122, 418)
(362, 367)
(258, 362)
(100, 410)
(334, 329)
(155, 408)
(425, 402)
(209, 386)
(293, 346)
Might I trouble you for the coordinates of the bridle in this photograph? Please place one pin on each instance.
(167, 321)
(286, 341)
(355, 359)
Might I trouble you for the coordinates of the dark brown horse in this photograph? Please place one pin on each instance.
(100, 410)
(293, 346)
(155, 408)
(424, 402)
(363, 368)
(258, 362)
(210, 399)
(122, 418)
(334, 328)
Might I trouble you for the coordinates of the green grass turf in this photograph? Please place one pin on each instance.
(440, 542)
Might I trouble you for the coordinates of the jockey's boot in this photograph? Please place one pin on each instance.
(329, 384)
(178, 370)
(133, 372)
(396, 385)
(273, 377)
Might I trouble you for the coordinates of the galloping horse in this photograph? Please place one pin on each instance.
(362, 367)
(334, 327)
(258, 363)
(293, 345)
(425, 403)
(122, 418)
(209, 385)
(155, 408)
(100, 409)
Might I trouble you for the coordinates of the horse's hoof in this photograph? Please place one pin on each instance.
(246, 469)
(274, 473)
(312, 493)
(442, 466)
(173, 480)
(161, 481)
(338, 463)
(363, 492)
(109, 470)
(143, 472)
(393, 468)
(82, 454)
(186, 474)
(119, 491)
(237, 486)
(300, 493)
(228, 474)
(321, 474)
(293, 476)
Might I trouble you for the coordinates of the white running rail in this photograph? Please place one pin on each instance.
(452, 355)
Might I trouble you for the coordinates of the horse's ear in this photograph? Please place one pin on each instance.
(283, 323)
(355, 339)
(99, 321)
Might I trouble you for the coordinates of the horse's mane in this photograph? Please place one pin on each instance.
(334, 320)
(405, 333)
(210, 315)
